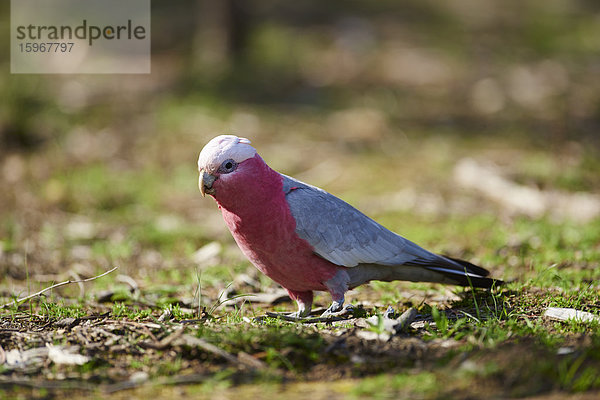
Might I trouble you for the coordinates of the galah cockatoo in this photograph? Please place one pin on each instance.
(306, 239)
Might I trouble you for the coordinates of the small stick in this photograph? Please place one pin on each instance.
(211, 348)
(245, 360)
(406, 319)
(165, 342)
(31, 296)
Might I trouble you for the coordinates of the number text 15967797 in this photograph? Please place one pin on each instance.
(46, 47)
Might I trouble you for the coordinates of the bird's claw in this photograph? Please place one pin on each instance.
(297, 315)
(328, 315)
(336, 310)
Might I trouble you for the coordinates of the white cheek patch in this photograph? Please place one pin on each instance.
(223, 148)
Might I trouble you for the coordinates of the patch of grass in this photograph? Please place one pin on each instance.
(169, 236)
(97, 187)
(58, 310)
(284, 345)
(408, 385)
(119, 310)
(177, 313)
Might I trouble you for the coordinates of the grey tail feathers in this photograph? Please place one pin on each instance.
(462, 272)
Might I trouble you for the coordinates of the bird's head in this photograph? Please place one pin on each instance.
(220, 159)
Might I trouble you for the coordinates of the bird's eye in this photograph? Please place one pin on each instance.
(228, 166)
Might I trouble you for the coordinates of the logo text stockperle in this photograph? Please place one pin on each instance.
(83, 31)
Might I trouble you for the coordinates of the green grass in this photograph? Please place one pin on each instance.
(139, 209)
(546, 264)
(132, 201)
(416, 385)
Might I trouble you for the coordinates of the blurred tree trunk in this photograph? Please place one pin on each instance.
(221, 35)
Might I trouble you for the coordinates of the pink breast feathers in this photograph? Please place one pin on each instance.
(258, 216)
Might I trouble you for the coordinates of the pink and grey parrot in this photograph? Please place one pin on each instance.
(306, 239)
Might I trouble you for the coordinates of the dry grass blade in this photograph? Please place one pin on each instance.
(211, 348)
(31, 296)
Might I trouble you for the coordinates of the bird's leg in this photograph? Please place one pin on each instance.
(336, 306)
(337, 286)
(304, 301)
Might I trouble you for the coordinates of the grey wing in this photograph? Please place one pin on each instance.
(343, 235)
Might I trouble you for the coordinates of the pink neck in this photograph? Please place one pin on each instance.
(254, 184)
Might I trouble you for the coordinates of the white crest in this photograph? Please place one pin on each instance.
(224, 147)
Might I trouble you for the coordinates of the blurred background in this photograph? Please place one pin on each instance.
(454, 123)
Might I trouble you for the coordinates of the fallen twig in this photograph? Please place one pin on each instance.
(165, 342)
(243, 359)
(31, 296)
(405, 319)
(209, 347)
(566, 314)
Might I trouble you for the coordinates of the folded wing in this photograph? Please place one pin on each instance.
(346, 237)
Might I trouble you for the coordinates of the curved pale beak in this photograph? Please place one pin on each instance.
(205, 182)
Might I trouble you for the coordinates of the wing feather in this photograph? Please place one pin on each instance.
(343, 235)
